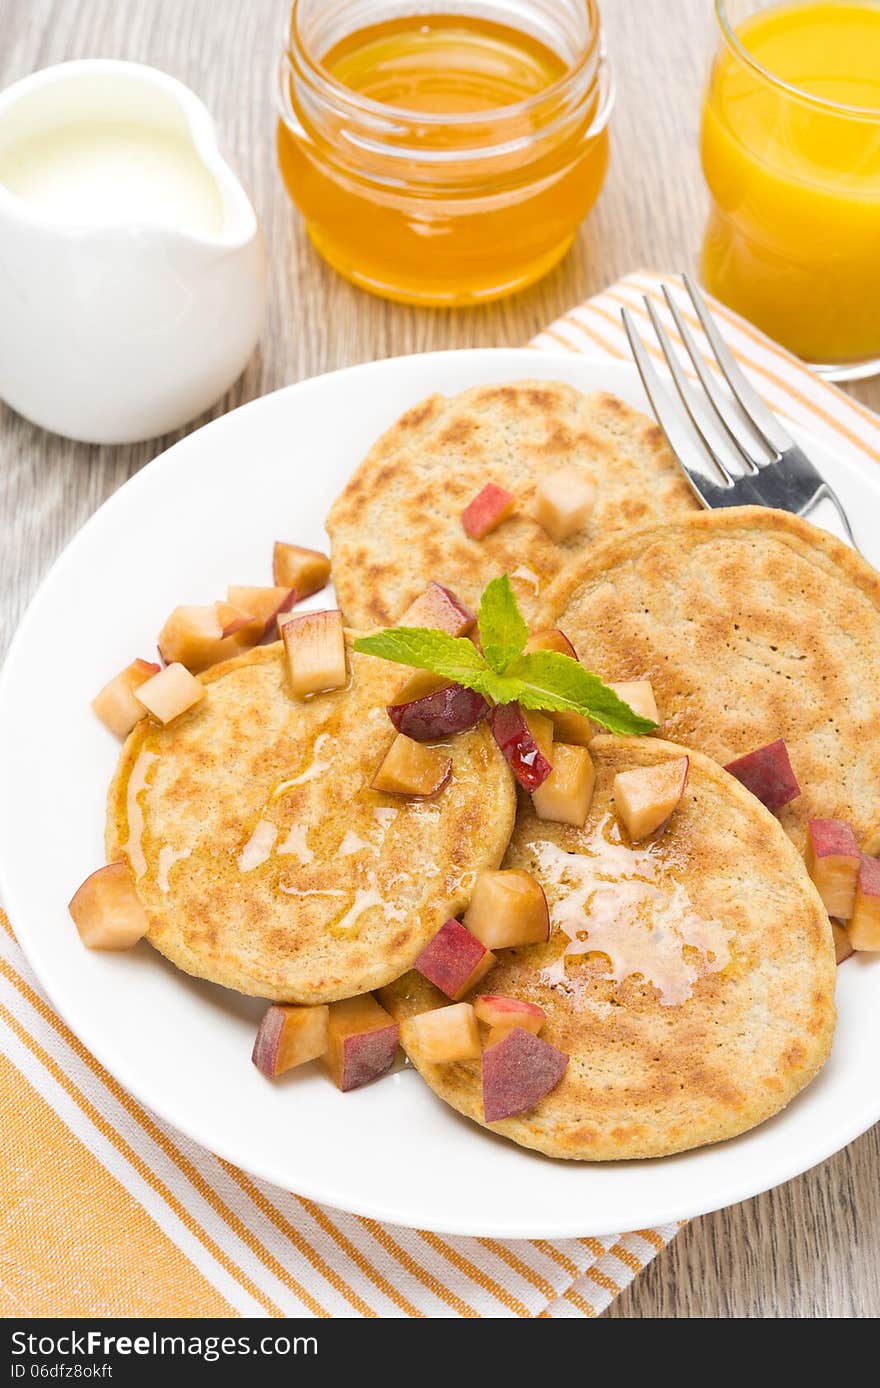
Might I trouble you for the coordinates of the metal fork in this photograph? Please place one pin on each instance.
(758, 462)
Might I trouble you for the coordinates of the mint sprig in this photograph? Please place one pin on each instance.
(543, 680)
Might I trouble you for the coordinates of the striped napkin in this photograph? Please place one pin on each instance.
(107, 1211)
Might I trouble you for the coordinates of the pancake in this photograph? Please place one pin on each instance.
(751, 625)
(397, 525)
(689, 979)
(262, 858)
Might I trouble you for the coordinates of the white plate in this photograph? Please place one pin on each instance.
(205, 514)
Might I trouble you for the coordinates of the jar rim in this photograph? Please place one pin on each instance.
(591, 51)
(739, 50)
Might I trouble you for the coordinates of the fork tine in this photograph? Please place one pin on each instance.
(685, 390)
(683, 440)
(763, 419)
(729, 414)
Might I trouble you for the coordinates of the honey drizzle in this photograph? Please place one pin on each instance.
(168, 856)
(137, 782)
(624, 903)
(315, 768)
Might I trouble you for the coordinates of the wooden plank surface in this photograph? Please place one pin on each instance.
(811, 1248)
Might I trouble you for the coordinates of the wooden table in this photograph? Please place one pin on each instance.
(813, 1247)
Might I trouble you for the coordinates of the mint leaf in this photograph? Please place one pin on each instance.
(503, 632)
(555, 683)
(452, 657)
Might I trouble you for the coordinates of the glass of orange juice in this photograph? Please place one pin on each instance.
(791, 153)
(443, 152)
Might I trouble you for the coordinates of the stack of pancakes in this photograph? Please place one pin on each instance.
(691, 981)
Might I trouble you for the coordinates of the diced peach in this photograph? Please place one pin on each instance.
(503, 1013)
(411, 768)
(314, 644)
(833, 860)
(418, 684)
(575, 729)
(438, 609)
(507, 908)
(842, 946)
(488, 509)
(541, 727)
(768, 774)
(563, 502)
(566, 795)
(553, 640)
(647, 796)
(290, 1036)
(305, 570)
(107, 911)
(871, 846)
(864, 926)
(639, 694)
(234, 622)
(439, 715)
(512, 732)
(116, 705)
(362, 1042)
(198, 637)
(444, 1035)
(170, 693)
(518, 1071)
(265, 605)
(455, 960)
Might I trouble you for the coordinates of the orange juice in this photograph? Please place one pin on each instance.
(443, 158)
(791, 153)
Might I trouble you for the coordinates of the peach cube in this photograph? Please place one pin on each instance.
(768, 774)
(265, 605)
(488, 509)
(362, 1042)
(438, 609)
(639, 694)
(518, 1071)
(418, 685)
(508, 908)
(290, 1036)
(170, 693)
(833, 861)
(563, 502)
(455, 960)
(305, 570)
(553, 640)
(314, 644)
(107, 911)
(444, 1035)
(502, 1013)
(864, 926)
(842, 947)
(646, 796)
(198, 637)
(567, 793)
(116, 705)
(518, 739)
(438, 716)
(572, 728)
(411, 768)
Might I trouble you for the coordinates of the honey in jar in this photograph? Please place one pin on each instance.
(444, 158)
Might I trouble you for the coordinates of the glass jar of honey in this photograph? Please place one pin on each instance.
(444, 157)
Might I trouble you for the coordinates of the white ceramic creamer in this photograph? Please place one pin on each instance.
(132, 270)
